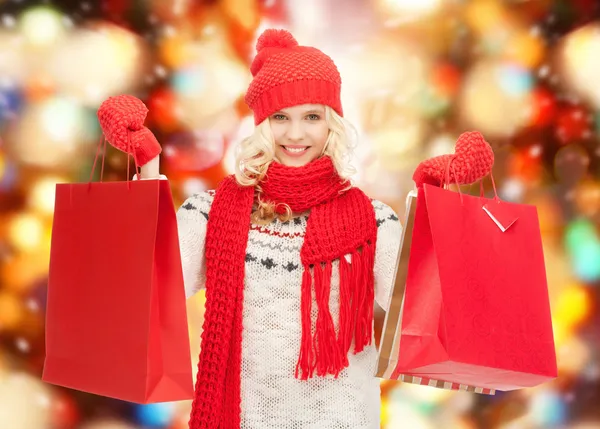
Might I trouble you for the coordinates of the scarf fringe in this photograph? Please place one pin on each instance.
(329, 360)
(323, 351)
(364, 320)
(347, 316)
(305, 360)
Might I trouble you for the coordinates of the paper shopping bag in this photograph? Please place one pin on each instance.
(388, 352)
(474, 312)
(116, 320)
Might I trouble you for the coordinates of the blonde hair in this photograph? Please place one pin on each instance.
(255, 153)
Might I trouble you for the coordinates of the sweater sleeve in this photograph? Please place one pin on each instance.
(389, 235)
(192, 218)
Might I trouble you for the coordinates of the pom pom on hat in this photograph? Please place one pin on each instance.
(274, 38)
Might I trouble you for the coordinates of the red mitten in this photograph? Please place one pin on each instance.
(472, 160)
(122, 121)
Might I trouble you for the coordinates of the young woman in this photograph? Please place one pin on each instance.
(292, 256)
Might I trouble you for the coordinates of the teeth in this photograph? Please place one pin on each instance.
(296, 149)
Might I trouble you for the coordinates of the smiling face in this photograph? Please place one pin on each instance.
(300, 133)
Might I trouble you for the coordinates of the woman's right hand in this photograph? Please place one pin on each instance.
(151, 170)
(472, 161)
(122, 121)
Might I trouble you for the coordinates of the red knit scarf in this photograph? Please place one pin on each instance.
(341, 222)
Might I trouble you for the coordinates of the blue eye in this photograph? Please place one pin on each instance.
(313, 117)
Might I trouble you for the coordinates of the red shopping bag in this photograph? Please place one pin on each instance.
(475, 309)
(116, 320)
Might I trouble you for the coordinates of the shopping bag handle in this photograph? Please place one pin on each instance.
(446, 183)
(481, 192)
(101, 143)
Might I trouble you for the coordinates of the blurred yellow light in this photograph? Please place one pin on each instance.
(397, 70)
(427, 394)
(526, 49)
(484, 15)
(573, 355)
(442, 144)
(577, 46)
(487, 106)
(13, 63)
(42, 25)
(11, 311)
(60, 119)
(397, 147)
(580, 64)
(207, 89)
(46, 240)
(195, 314)
(244, 12)
(174, 50)
(49, 133)
(551, 224)
(573, 306)
(560, 332)
(42, 194)
(404, 414)
(587, 197)
(22, 271)
(26, 232)
(94, 63)
(410, 6)
(384, 412)
(25, 402)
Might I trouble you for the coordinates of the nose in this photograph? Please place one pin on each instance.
(295, 131)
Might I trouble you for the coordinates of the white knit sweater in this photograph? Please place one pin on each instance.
(271, 398)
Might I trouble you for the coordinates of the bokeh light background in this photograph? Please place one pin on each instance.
(416, 74)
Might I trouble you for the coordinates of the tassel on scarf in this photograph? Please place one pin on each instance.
(364, 319)
(329, 360)
(306, 358)
(324, 352)
(346, 327)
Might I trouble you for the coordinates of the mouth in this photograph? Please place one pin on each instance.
(295, 150)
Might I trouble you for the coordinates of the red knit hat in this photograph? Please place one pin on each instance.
(286, 74)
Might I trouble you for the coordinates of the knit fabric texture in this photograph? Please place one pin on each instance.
(472, 160)
(271, 396)
(122, 121)
(341, 222)
(286, 74)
